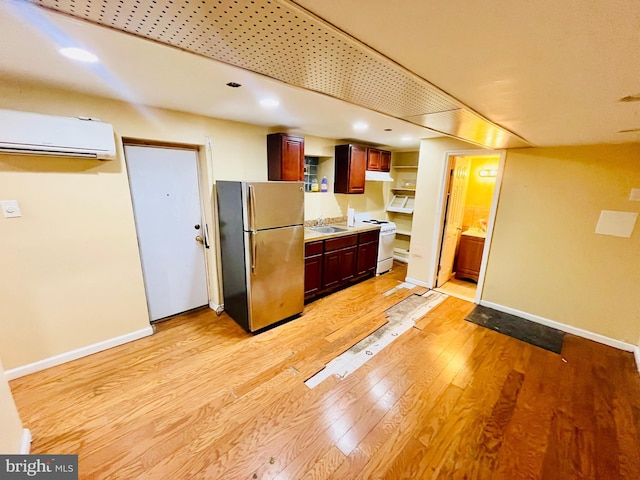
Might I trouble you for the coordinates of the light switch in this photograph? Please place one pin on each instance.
(10, 208)
(635, 195)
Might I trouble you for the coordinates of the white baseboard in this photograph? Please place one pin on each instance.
(579, 332)
(77, 353)
(636, 352)
(218, 308)
(417, 282)
(25, 445)
(400, 258)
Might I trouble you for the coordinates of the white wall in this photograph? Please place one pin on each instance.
(71, 273)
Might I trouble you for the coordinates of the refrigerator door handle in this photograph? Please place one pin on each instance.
(254, 251)
(252, 209)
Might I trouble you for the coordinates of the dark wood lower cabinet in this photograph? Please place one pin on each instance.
(367, 254)
(469, 257)
(339, 267)
(336, 262)
(313, 259)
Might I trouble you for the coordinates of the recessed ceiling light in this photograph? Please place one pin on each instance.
(233, 85)
(79, 54)
(360, 126)
(269, 102)
(406, 138)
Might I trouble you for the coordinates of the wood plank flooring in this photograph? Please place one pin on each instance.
(202, 399)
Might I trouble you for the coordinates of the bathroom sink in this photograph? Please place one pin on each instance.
(328, 229)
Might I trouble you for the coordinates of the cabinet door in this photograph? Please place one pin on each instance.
(363, 265)
(357, 169)
(374, 159)
(348, 259)
(469, 257)
(350, 167)
(385, 161)
(293, 159)
(332, 274)
(285, 154)
(312, 276)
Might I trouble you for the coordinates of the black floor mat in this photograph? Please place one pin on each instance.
(516, 327)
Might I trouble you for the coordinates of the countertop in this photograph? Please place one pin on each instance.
(312, 236)
(475, 232)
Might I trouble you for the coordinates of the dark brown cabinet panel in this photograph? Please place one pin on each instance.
(367, 258)
(313, 263)
(469, 257)
(374, 159)
(285, 154)
(350, 167)
(385, 161)
(378, 160)
(339, 267)
(312, 276)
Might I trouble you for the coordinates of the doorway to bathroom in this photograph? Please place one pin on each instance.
(468, 203)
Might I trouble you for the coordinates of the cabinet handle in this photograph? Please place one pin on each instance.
(252, 209)
(254, 251)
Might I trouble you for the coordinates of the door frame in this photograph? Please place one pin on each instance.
(442, 206)
(204, 220)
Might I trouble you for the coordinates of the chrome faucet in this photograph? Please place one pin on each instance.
(320, 221)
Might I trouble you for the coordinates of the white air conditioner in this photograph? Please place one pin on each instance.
(35, 134)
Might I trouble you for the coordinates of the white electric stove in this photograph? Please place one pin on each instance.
(385, 243)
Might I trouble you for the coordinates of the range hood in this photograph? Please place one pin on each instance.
(378, 176)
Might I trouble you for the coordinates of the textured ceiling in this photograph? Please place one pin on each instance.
(284, 42)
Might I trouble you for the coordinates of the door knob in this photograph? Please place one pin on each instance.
(199, 239)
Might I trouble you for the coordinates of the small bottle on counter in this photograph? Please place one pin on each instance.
(323, 184)
(314, 185)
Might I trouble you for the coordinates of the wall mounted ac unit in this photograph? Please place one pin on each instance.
(35, 134)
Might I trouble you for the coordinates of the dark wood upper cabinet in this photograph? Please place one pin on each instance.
(378, 160)
(385, 161)
(285, 154)
(351, 164)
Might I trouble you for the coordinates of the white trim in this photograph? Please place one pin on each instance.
(401, 259)
(636, 352)
(416, 282)
(596, 337)
(77, 353)
(218, 308)
(25, 444)
(489, 234)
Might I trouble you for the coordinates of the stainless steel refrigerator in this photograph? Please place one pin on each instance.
(262, 250)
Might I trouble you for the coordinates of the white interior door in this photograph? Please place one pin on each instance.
(166, 203)
(455, 213)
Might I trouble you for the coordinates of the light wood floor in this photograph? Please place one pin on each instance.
(201, 399)
(464, 289)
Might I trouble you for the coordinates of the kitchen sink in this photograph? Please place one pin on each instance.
(328, 229)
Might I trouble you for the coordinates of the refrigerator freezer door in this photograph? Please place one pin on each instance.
(275, 269)
(273, 204)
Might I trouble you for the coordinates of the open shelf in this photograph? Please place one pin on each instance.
(410, 191)
(401, 204)
(403, 232)
(405, 167)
